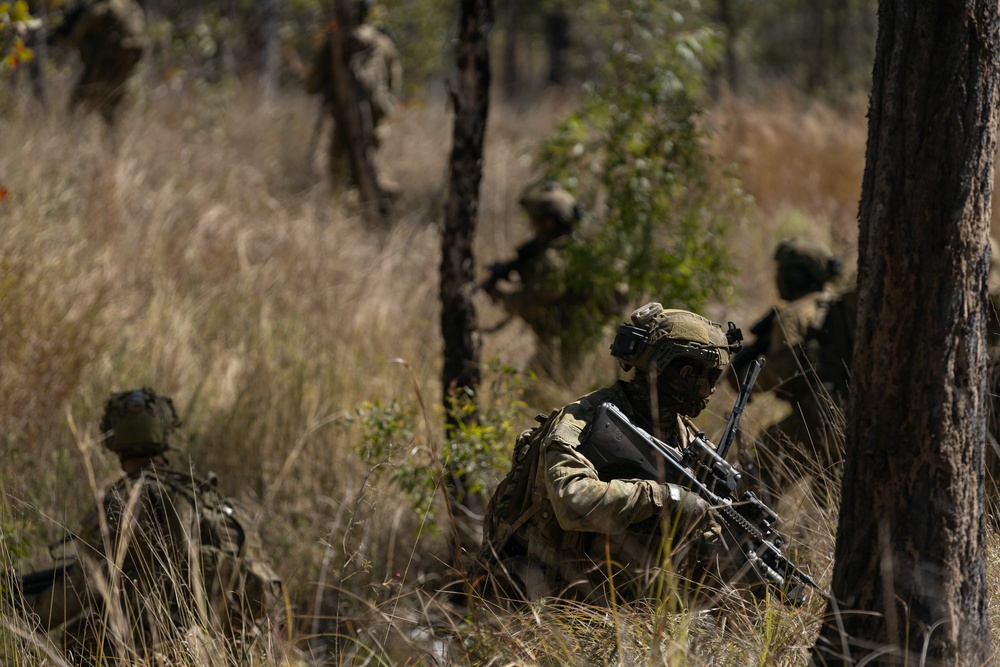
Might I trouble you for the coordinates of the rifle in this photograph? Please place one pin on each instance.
(526, 252)
(619, 449)
(35, 583)
(40, 581)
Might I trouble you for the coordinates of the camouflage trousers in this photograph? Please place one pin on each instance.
(595, 568)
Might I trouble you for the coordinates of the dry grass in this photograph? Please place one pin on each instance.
(202, 252)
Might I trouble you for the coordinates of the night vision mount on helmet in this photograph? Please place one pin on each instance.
(658, 336)
(138, 423)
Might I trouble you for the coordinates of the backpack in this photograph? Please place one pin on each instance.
(515, 501)
(835, 337)
(240, 585)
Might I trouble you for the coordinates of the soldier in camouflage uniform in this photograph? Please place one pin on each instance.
(164, 557)
(533, 285)
(807, 344)
(556, 527)
(375, 63)
(109, 34)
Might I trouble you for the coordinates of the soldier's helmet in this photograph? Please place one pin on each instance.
(656, 336)
(138, 423)
(550, 201)
(804, 266)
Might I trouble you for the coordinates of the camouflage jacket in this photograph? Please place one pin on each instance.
(800, 365)
(538, 296)
(375, 62)
(164, 552)
(577, 521)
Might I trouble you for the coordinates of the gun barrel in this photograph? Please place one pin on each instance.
(40, 581)
(729, 435)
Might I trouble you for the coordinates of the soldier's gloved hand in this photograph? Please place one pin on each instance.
(687, 505)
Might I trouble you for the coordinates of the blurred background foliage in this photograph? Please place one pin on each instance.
(823, 47)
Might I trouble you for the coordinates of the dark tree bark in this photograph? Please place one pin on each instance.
(557, 41)
(511, 48)
(267, 16)
(36, 42)
(910, 572)
(818, 40)
(470, 97)
(359, 127)
(726, 17)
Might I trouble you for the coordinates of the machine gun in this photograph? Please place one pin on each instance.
(40, 581)
(28, 585)
(526, 252)
(620, 449)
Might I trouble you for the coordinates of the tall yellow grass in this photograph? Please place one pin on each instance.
(202, 251)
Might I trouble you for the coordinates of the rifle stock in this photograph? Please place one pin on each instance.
(28, 585)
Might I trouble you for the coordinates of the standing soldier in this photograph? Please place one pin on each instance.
(556, 526)
(374, 63)
(534, 284)
(807, 343)
(109, 36)
(163, 555)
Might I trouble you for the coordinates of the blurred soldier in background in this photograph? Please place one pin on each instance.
(534, 284)
(557, 527)
(807, 343)
(163, 558)
(109, 36)
(375, 65)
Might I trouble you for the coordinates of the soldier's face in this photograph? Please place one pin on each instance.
(685, 389)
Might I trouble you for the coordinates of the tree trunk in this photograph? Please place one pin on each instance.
(359, 127)
(727, 19)
(36, 42)
(470, 97)
(910, 575)
(267, 11)
(818, 40)
(511, 47)
(557, 41)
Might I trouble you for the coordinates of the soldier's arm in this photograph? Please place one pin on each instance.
(581, 500)
(544, 286)
(784, 353)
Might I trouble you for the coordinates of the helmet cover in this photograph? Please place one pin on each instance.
(550, 200)
(657, 336)
(138, 423)
(804, 266)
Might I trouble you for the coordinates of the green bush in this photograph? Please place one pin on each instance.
(398, 447)
(636, 151)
